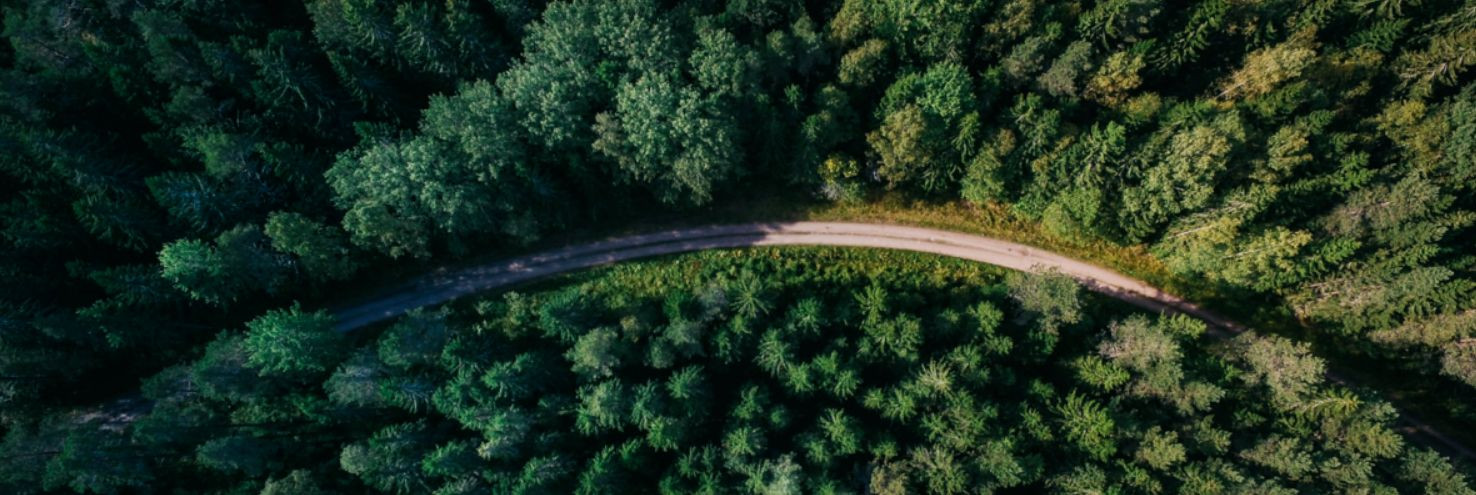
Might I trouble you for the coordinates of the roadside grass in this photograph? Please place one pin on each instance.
(804, 266)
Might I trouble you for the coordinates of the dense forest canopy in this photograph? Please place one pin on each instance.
(174, 169)
(788, 372)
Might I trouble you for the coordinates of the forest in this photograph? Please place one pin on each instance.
(765, 372)
(185, 184)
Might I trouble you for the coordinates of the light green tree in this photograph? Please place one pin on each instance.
(671, 138)
(1265, 69)
(239, 263)
(321, 249)
(293, 342)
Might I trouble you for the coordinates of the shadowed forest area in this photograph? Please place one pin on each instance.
(186, 181)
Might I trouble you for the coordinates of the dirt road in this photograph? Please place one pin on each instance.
(441, 287)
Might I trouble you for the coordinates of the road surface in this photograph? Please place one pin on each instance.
(446, 285)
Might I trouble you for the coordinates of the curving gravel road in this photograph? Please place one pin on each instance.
(444, 286)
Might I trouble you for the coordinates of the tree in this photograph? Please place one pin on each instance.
(223, 373)
(597, 353)
(670, 137)
(1199, 243)
(416, 340)
(463, 176)
(1079, 177)
(1049, 296)
(929, 124)
(1287, 370)
(863, 64)
(1062, 79)
(1433, 331)
(200, 201)
(722, 66)
(1184, 176)
(96, 461)
(395, 225)
(1382, 212)
(896, 338)
(905, 142)
(457, 460)
(1160, 450)
(1027, 58)
(556, 92)
(298, 482)
(833, 123)
(288, 83)
(1458, 360)
(942, 31)
(1374, 294)
(292, 342)
(1151, 351)
(1265, 69)
(1115, 78)
(1268, 261)
(780, 476)
(1088, 425)
(390, 459)
(1459, 148)
(238, 263)
(1432, 473)
(251, 456)
(1442, 61)
(358, 381)
(1117, 21)
(321, 250)
(1286, 456)
(749, 295)
(603, 406)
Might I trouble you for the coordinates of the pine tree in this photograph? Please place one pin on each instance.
(293, 342)
(390, 460)
(320, 249)
(238, 264)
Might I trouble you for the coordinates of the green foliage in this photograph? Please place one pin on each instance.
(671, 137)
(1285, 369)
(928, 125)
(1053, 298)
(290, 341)
(387, 460)
(1312, 155)
(1268, 67)
(236, 265)
(1088, 425)
(250, 456)
(597, 353)
(464, 176)
(573, 407)
(93, 461)
(320, 249)
(1063, 78)
(1187, 167)
(862, 65)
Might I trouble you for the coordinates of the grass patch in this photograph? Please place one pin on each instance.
(803, 266)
